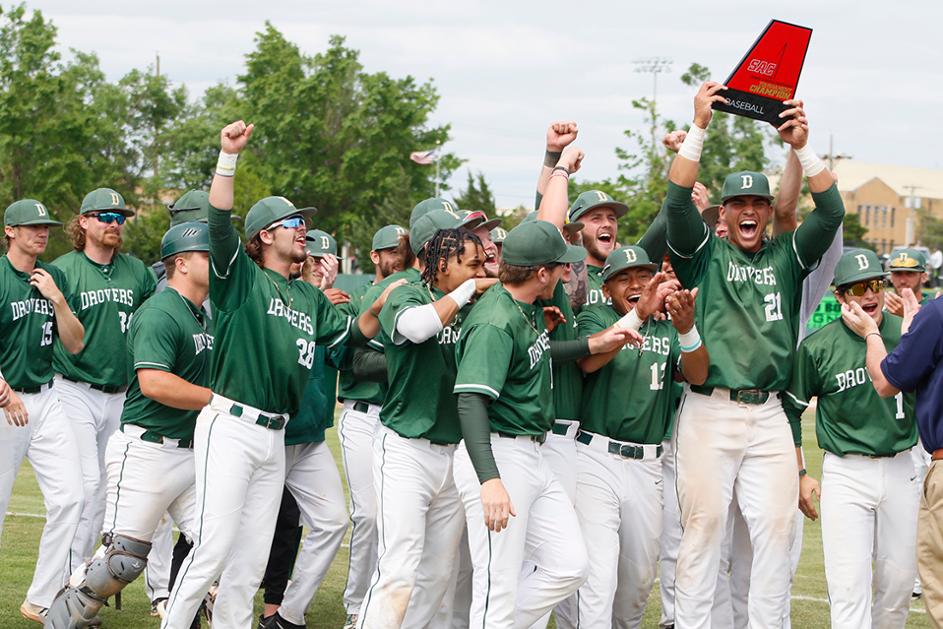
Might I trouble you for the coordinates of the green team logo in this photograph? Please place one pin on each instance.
(325, 243)
(862, 261)
(630, 256)
(746, 181)
(41, 209)
(401, 231)
(115, 199)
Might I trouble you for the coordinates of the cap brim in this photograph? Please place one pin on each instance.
(645, 265)
(120, 210)
(472, 223)
(768, 197)
(711, 215)
(621, 209)
(489, 225)
(38, 221)
(572, 228)
(573, 254)
(906, 269)
(861, 275)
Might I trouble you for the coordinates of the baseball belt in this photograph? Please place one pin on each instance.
(538, 438)
(139, 432)
(104, 388)
(37, 389)
(248, 413)
(740, 396)
(636, 451)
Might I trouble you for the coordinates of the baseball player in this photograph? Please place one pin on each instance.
(149, 461)
(267, 329)
(419, 519)
(870, 493)
(483, 228)
(749, 297)
(35, 306)
(627, 411)
(498, 234)
(310, 472)
(505, 408)
(361, 398)
(109, 286)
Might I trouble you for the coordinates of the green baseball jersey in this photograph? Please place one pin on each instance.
(631, 398)
(106, 298)
(410, 275)
(504, 353)
(267, 327)
(747, 301)
(316, 413)
(567, 376)
(594, 294)
(28, 324)
(350, 387)
(850, 417)
(419, 401)
(168, 333)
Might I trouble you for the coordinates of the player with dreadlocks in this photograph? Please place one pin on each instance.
(419, 514)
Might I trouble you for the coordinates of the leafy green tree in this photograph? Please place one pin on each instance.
(477, 194)
(853, 232)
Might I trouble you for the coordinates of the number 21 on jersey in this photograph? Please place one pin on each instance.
(774, 307)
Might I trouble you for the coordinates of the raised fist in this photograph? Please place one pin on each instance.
(571, 159)
(560, 135)
(234, 136)
(673, 140)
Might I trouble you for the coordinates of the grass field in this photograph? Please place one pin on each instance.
(22, 529)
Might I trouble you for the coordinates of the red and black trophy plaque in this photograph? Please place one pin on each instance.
(768, 74)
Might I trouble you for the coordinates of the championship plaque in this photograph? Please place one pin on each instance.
(768, 74)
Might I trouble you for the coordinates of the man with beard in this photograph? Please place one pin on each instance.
(33, 309)
(750, 291)
(108, 286)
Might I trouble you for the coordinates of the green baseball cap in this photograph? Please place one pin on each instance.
(746, 183)
(387, 237)
(192, 205)
(538, 242)
(907, 259)
(426, 226)
(269, 210)
(570, 228)
(183, 237)
(319, 243)
(104, 200)
(27, 212)
(424, 207)
(592, 199)
(628, 257)
(857, 264)
(498, 234)
(477, 219)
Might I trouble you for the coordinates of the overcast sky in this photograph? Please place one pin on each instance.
(873, 76)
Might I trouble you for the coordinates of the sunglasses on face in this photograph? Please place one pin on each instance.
(110, 217)
(292, 222)
(860, 288)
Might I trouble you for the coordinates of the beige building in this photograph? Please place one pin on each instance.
(886, 198)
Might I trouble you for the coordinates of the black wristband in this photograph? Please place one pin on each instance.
(802, 472)
(563, 168)
(551, 158)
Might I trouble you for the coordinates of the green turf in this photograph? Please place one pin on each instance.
(21, 535)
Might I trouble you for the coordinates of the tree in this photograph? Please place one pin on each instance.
(853, 232)
(929, 230)
(477, 195)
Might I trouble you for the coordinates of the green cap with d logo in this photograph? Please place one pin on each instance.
(104, 200)
(855, 265)
(426, 226)
(424, 207)
(387, 237)
(592, 199)
(269, 210)
(629, 257)
(907, 259)
(319, 243)
(27, 212)
(746, 183)
(538, 242)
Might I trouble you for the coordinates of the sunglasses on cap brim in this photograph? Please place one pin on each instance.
(292, 222)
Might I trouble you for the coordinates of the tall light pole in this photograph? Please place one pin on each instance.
(653, 66)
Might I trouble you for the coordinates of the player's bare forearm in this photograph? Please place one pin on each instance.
(787, 198)
(172, 390)
(368, 324)
(694, 365)
(71, 330)
(577, 286)
(876, 353)
(555, 203)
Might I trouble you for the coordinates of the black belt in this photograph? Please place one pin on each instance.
(31, 390)
(740, 396)
(104, 388)
(538, 438)
(273, 422)
(626, 451)
(361, 406)
(152, 437)
(559, 428)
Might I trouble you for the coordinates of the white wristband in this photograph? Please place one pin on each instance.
(630, 321)
(812, 164)
(690, 340)
(463, 294)
(693, 143)
(226, 164)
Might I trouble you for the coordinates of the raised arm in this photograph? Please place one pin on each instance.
(224, 241)
(559, 135)
(787, 198)
(556, 202)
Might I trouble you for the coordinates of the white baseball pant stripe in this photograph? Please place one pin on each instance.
(619, 504)
(356, 431)
(94, 417)
(723, 447)
(157, 571)
(240, 475)
(419, 525)
(47, 442)
(545, 531)
(869, 511)
(670, 534)
(312, 478)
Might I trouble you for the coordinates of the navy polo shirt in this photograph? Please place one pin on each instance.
(916, 364)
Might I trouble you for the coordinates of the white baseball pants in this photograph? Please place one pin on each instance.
(722, 447)
(240, 475)
(619, 504)
(869, 513)
(48, 443)
(94, 416)
(419, 525)
(545, 531)
(312, 478)
(356, 431)
(670, 535)
(157, 571)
